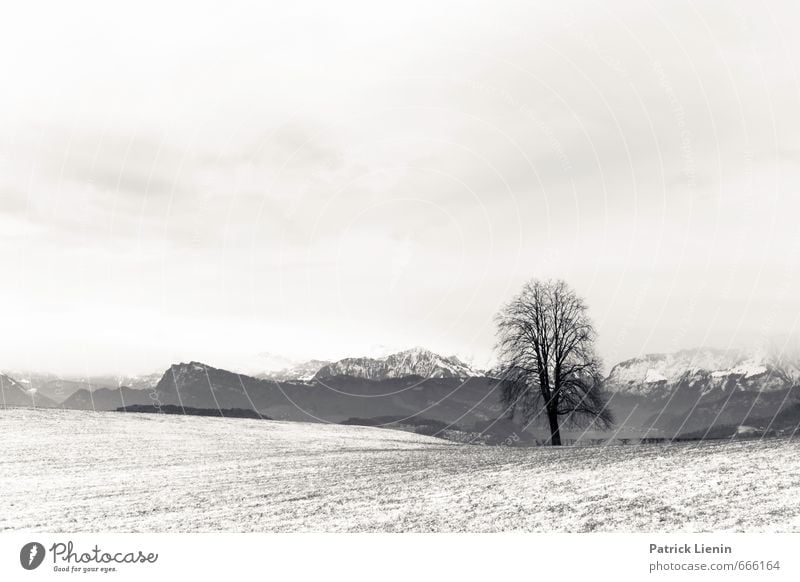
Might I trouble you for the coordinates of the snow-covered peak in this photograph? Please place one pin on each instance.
(705, 366)
(413, 362)
(749, 369)
(652, 376)
(671, 366)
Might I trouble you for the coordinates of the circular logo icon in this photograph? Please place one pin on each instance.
(31, 555)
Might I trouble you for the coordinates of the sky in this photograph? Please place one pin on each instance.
(238, 182)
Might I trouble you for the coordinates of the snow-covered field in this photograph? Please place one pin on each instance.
(77, 471)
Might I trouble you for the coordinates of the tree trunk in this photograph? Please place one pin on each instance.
(555, 433)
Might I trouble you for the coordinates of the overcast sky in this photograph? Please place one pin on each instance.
(317, 179)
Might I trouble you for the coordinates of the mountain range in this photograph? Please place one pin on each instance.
(335, 399)
(656, 395)
(414, 362)
(690, 390)
(59, 388)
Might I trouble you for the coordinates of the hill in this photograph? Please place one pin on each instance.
(174, 473)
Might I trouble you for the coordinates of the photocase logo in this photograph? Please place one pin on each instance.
(31, 555)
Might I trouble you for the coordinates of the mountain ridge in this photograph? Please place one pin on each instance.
(655, 395)
(417, 361)
(13, 393)
(691, 390)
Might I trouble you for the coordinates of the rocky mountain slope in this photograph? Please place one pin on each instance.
(708, 368)
(690, 390)
(13, 393)
(414, 362)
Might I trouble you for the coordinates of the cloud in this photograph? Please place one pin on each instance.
(359, 175)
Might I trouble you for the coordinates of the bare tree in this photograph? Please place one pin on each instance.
(548, 361)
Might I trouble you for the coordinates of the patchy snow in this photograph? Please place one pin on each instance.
(654, 376)
(659, 374)
(645, 374)
(672, 366)
(748, 369)
(414, 362)
(74, 471)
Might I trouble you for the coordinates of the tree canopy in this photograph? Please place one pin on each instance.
(548, 361)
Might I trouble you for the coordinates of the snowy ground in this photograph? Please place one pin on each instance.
(77, 471)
